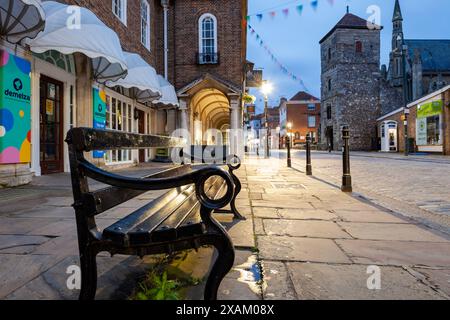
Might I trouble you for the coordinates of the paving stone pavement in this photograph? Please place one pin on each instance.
(316, 242)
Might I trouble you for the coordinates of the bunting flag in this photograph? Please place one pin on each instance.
(274, 59)
(286, 10)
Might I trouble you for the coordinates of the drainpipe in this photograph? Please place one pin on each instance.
(165, 5)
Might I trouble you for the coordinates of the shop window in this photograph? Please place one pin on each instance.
(145, 24)
(119, 116)
(433, 130)
(56, 58)
(119, 8)
(311, 121)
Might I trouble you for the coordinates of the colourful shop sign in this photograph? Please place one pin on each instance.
(15, 109)
(430, 109)
(99, 108)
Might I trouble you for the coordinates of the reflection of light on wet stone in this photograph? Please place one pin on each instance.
(251, 274)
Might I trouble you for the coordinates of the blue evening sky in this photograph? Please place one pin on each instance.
(294, 40)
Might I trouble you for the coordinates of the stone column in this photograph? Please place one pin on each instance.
(171, 121)
(235, 137)
(183, 114)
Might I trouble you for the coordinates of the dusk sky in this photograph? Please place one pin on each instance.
(294, 40)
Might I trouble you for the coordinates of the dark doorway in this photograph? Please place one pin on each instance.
(51, 125)
(329, 135)
(141, 128)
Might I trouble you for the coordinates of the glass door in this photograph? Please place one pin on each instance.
(51, 125)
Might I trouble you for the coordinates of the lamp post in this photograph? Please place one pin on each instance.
(308, 155)
(266, 89)
(405, 124)
(405, 93)
(346, 177)
(279, 136)
(288, 144)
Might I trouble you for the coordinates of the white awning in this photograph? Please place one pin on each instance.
(169, 96)
(141, 79)
(20, 19)
(70, 29)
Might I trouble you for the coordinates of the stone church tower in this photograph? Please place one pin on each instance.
(350, 76)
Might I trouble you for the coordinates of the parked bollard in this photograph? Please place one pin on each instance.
(346, 177)
(288, 145)
(308, 155)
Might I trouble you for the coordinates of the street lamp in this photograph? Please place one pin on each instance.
(279, 136)
(405, 91)
(405, 124)
(266, 89)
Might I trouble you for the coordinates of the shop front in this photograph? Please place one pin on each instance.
(19, 20)
(429, 126)
(429, 122)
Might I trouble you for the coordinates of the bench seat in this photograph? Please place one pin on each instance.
(172, 216)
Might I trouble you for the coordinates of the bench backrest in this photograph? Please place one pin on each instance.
(88, 203)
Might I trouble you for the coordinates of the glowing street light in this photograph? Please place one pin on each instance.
(266, 89)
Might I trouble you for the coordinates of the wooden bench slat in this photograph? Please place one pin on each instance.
(152, 214)
(89, 139)
(166, 230)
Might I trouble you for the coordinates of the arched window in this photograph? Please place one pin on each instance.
(208, 53)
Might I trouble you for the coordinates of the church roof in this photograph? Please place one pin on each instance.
(349, 21)
(397, 12)
(435, 54)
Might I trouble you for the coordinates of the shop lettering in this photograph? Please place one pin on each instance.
(16, 95)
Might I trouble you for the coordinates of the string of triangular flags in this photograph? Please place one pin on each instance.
(285, 11)
(267, 49)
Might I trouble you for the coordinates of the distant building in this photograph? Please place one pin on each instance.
(350, 55)
(419, 78)
(428, 125)
(303, 112)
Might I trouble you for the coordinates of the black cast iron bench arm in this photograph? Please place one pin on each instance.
(197, 177)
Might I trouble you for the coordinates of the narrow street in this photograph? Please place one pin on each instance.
(414, 186)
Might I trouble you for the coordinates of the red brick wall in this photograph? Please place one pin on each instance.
(231, 47)
(182, 35)
(298, 114)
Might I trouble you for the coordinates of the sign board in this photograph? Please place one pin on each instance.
(49, 107)
(15, 109)
(99, 108)
(421, 131)
(430, 109)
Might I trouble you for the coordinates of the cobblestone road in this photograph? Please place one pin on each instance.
(417, 186)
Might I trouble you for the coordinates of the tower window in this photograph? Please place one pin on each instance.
(358, 46)
(329, 84)
(329, 53)
(329, 111)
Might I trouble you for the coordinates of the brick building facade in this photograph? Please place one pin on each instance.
(206, 51)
